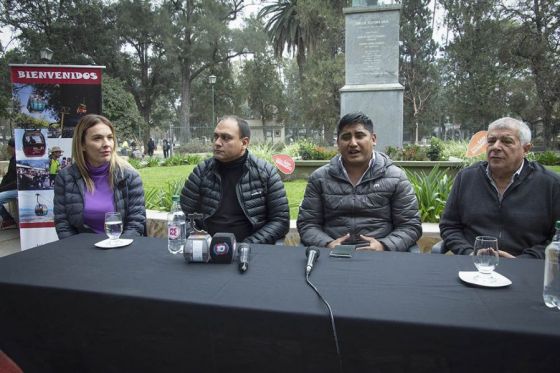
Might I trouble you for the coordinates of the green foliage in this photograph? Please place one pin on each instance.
(547, 158)
(136, 163)
(263, 88)
(431, 190)
(412, 152)
(418, 72)
(119, 107)
(310, 151)
(161, 198)
(182, 159)
(454, 149)
(265, 150)
(152, 161)
(435, 149)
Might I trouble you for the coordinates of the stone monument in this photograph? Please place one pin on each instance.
(372, 68)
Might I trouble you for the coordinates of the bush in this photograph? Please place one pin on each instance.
(161, 199)
(412, 152)
(435, 149)
(393, 152)
(547, 158)
(182, 159)
(151, 162)
(136, 163)
(310, 151)
(431, 190)
(453, 149)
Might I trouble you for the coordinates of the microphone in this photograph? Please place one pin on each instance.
(244, 253)
(312, 253)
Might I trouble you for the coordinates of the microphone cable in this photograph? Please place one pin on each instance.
(332, 321)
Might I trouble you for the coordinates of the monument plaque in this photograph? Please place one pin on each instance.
(371, 39)
(372, 68)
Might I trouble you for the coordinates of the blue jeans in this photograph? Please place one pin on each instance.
(5, 197)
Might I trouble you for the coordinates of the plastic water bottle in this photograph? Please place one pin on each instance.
(176, 228)
(551, 288)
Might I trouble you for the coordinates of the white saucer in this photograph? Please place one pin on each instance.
(473, 277)
(107, 244)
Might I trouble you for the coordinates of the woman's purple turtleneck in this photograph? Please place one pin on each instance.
(100, 201)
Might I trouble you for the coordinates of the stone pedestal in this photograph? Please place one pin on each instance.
(372, 70)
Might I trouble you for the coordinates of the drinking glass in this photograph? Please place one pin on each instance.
(486, 257)
(113, 227)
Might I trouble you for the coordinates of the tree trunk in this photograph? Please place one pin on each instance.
(186, 105)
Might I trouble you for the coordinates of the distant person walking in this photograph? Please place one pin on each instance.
(166, 147)
(151, 147)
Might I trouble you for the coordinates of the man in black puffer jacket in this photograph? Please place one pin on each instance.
(235, 191)
(360, 197)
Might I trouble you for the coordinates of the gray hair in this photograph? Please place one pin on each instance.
(523, 130)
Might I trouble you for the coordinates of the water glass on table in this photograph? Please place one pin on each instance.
(113, 227)
(486, 257)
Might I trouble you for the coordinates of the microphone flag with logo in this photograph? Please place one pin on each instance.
(223, 247)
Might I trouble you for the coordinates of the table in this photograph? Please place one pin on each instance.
(68, 306)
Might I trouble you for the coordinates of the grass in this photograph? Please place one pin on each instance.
(554, 168)
(159, 178)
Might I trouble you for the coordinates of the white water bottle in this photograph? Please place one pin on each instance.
(551, 287)
(176, 228)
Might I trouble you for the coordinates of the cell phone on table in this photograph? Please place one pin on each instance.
(342, 251)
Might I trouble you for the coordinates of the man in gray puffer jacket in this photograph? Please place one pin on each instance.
(360, 197)
(235, 191)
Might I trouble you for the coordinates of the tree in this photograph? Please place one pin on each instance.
(79, 32)
(417, 68)
(534, 42)
(286, 30)
(199, 38)
(476, 78)
(143, 63)
(120, 109)
(263, 88)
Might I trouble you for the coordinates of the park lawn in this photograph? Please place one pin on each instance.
(158, 177)
(554, 168)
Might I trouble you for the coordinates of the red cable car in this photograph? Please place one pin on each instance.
(34, 144)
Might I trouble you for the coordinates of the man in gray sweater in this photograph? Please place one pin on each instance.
(507, 197)
(360, 197)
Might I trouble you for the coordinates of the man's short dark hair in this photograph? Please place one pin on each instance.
(353, 118)
(12, 142)
(244, 129)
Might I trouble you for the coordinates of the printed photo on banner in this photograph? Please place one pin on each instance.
(33, 174)
(36, 208)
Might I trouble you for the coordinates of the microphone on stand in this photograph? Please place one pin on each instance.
(312, 253)
(244, 253)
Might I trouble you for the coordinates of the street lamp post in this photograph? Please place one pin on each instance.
(46, 54)
(212, 81)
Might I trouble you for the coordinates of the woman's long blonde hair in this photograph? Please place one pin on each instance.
(78, 140)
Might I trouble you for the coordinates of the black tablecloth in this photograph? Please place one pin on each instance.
(68, 306)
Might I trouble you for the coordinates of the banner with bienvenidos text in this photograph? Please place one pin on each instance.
(49, 101)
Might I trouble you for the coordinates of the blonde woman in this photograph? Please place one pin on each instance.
(98, 181)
